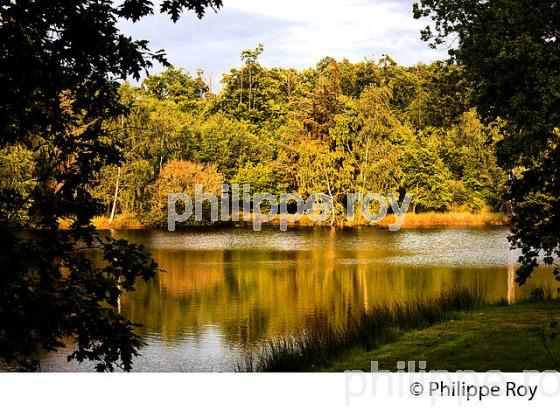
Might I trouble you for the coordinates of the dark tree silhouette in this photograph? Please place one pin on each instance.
(511, 53)
(60, 66)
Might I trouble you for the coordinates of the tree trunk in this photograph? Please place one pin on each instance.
(161, 153)
(241, 93)
(115, 197)
(363, 169)
(414, 205)
(333, 209)
(250, 87)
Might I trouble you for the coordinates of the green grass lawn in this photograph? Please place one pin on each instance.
(505, 338)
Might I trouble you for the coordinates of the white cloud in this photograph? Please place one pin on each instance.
(340, 28)
(309, 11)
(295, 33)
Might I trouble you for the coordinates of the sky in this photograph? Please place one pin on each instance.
(295, 33)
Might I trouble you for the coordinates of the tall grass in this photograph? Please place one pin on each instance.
(314, 348)
(430, 219)
(121, 221)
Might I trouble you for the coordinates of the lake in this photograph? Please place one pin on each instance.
(224, 292)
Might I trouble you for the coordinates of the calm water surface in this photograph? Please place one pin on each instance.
(225, 292)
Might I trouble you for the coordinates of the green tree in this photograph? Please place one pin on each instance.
(261, 177)
(368, 135)
(309, 145)
(178, 86)
(254, 93)
(509, 49)
(17, 181)
(426, 175)
(469, 151)
(225, 142)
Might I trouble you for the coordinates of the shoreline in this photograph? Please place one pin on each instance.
(509, 338)
(411, 221)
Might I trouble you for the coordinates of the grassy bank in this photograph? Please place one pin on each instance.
(507, 338)
(424, 219)
(121, 221)
(427, 219)
(318, 346)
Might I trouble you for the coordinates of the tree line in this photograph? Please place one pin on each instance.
(337, 128)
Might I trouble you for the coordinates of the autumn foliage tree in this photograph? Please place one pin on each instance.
(181, 177)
